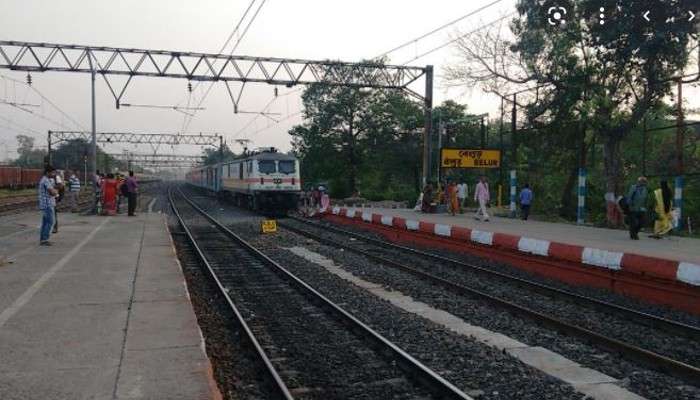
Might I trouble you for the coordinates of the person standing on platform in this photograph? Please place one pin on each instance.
(59, 185)
(132, 187)
(98, 192)
(122, 191)
(47, 204)
(662, 210)
(427, 198)
(462, 194)
(440, 194)
(637, 198)
(109, 195)
(453, 198)
(73, 191)
(482, 197)
(315, 197)
(525, 202)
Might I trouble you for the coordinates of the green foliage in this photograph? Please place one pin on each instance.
(29, 157)
(213, 156)
(603, 76)
(360, 141)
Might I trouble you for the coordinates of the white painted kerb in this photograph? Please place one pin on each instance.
(688, 273)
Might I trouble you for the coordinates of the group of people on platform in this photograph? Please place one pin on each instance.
(454, 196)
(112, 189)
(639, 204)
(315, 197)
(54, 187)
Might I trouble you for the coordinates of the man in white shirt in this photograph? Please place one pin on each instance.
(462, 194)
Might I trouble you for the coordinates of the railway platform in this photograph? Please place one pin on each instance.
(647, 268)
(104, 313)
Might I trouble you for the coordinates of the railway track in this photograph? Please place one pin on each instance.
(13, 203)
(24, 203)
(677, 355)
(310, 347)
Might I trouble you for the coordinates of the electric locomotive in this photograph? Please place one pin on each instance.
(264, 180)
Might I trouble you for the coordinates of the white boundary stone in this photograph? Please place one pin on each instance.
(534, 246)
(412, 225)
(482, 237)
(387, 220)
(688, 273)
(443, 230)
(602, 258)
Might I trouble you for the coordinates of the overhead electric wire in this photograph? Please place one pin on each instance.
(40, 116)
(12, 122)
(442, 46)
(228, 40)
(240, 38)
(269, 103)
(278, 121)
(438, 29)
(35, 90)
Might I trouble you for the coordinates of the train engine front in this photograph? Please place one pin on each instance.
(265, 180)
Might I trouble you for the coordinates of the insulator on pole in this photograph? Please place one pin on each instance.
(29, 79)
(189, 87)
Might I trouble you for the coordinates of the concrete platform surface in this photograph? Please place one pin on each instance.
(671, 259)
(102, 314)
(672, 247)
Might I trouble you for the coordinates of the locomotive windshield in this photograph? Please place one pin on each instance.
(266, 166)
(287, 167)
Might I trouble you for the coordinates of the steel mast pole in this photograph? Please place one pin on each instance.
(428, 123)
(93, 144)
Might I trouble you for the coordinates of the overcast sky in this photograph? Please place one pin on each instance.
(310, 29)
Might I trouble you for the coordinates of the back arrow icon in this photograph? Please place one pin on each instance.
(692, 16)
(646, 16)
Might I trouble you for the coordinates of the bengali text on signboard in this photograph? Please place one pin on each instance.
(467, 158)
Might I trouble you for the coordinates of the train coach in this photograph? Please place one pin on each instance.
(17, 178)
(264, 180)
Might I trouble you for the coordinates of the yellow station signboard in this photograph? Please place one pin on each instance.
(467, 158)
(269, 226)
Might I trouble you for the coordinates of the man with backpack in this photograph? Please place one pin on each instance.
(637, 199)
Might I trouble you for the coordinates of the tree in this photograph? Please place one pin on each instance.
(29, 157)
(370, 132)
(602, 77)
(72, 154)
(213, 156)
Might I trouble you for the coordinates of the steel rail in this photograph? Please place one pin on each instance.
(409, 364)
(280, 386)
(31, 202)
(654, 321)
(686, 372)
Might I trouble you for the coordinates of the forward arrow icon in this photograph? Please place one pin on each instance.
(692, 16)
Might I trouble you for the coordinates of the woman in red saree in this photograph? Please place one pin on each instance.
(109, 195)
